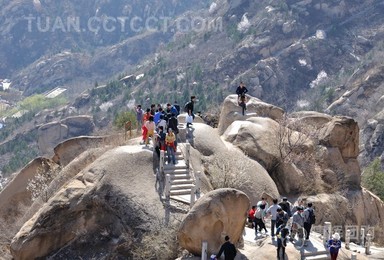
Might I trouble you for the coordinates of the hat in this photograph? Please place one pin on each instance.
(285, 198)
(300, 208)
(336, 236)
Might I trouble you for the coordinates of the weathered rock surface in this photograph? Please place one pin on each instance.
(51, 134)
(231, 111)
(15, 197)
(217, 214)
(112, 203)
(226, 165)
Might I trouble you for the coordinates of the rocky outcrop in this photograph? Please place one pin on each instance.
(112, 202)
(49, 135)
(231, 111)
(226, 166)
(217, 214)
(15, 197)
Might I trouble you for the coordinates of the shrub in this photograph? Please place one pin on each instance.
(373, 178)
(123, 117)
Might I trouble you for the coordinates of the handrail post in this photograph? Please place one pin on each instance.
(347, 238)
(327, 232)
(188, 153)
(192, 197)
(198, 184)
(167, 186)
(368, 244)
(162, 161)
(204, 248)
(362, 237)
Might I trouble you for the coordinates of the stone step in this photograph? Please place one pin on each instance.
(175, 171)
(317, 257)
(182, 187)
(181, 176)
(174, 167)
(181, 181)
(180, 192)
(316, 253)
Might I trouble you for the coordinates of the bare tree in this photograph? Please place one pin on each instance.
(228, 170)
(38, 185)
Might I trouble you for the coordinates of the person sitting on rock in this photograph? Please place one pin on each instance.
(228, 249)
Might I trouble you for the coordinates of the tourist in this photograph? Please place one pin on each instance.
(334, 245)
(286, 206)
(309, 219)
(228, 249)
(170, 139)
(272, 210)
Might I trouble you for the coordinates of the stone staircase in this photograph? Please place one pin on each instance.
(314, 250)
(181, 181)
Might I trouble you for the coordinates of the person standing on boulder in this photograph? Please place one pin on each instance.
(228, 249)
(241, 90)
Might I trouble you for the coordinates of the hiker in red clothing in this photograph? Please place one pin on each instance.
(251, 216)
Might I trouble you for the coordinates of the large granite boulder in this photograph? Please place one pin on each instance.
(79, 125)
(112, 203)
(51, 134)
(15, 198)
(217, 214)
(69, 149)
(264, 140)
(343, 133)
(231, 111)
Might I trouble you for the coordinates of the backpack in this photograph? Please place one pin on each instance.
(311, 217)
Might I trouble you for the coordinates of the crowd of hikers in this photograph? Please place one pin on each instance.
(161, 125)
(281, 213)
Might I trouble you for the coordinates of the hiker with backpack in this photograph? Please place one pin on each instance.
(188, 108)
(160, 141)
(309, 219)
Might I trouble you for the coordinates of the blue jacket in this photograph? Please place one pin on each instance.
(334, 246)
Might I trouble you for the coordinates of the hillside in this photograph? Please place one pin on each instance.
(104, 197)
(299, 55)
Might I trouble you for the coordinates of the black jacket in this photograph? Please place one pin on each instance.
(241, 91)
(229, 251)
